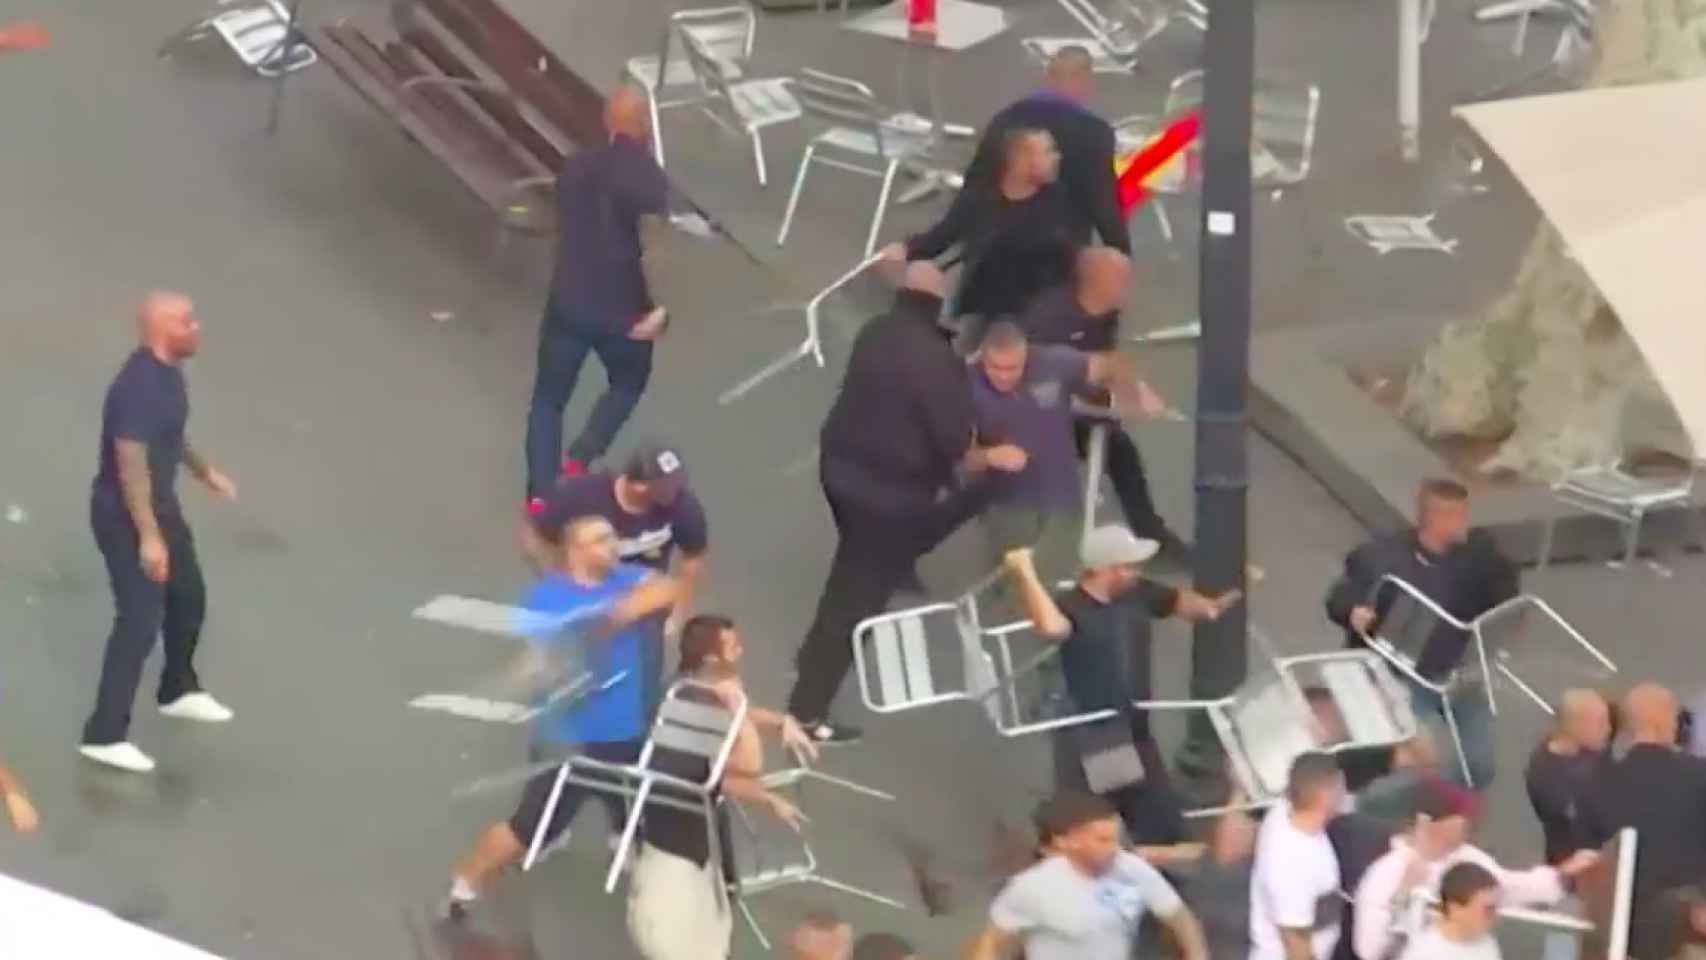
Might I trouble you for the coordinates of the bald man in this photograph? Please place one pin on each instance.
(892, 453)
(1085, 314)
(611, 202)
(1661, 792)
(1568, 763)
(139, 526)
(1085, 140)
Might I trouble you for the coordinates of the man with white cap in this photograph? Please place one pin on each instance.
(1102, 623)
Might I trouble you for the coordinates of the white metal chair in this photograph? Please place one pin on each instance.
(811, 346)
(1527, 643)
(865, 138)
(693, 730)
(667, 77)
(259, 32)
(769, 860)
(1195, 13)
(747, 105)
(1283, 121)
(1118, 31)
(1614, 493)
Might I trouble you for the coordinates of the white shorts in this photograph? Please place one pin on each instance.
(677, 909)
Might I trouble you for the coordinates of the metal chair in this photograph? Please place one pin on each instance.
(1527, 643)
(693, 730)
(811, 346)
(761, 866)
(1614, 493)
(747, 106)
(667, 78)
(1409, 619)
(1283, 121)
(865, 138)
(1575, 38)
(1118, 31)
(259, 32)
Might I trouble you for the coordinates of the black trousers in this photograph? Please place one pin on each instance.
(565, 340)
(880, 536)
(536, 795)
(145, 611)
(1152, 810)
(1123, 466)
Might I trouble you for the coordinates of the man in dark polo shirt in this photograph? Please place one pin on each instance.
(610, 202)
(653, 511)
(1086, 144)
(1085, 315)
(1103, 626)
(140, 528)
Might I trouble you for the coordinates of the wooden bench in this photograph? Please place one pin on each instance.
(477, 91)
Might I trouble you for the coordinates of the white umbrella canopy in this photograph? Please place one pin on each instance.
(1621, 174)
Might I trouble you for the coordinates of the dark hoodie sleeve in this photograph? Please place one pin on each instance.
(1100, 191)
(1353, 587)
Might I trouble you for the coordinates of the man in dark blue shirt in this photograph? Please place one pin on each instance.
(140, 528)
(600, 302)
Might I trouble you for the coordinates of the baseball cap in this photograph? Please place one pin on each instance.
(660, 468)
(1113, 545)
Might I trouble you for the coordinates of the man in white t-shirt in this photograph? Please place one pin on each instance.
(1295, 905)
(1469, 904)
(1087, 897)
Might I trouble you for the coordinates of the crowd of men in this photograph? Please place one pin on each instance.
(971, 401)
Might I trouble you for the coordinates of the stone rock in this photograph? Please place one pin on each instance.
(1547, 368)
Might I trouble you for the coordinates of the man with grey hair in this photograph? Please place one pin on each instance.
(1103, 626)
(139, 526)
(1023, 394)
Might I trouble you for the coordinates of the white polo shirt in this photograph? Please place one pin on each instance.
(1295, 884)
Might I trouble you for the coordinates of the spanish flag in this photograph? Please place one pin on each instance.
(1136, 170)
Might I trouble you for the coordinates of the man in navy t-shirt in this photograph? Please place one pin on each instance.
(600, 303)
(139, 526)
(588, 611)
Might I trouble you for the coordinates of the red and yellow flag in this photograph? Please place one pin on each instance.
(1135, 170)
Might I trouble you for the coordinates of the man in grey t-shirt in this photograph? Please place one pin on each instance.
(1087, 897)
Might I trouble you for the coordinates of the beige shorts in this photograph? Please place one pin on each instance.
(677, 909)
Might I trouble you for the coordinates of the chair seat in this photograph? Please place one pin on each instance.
(644, 70)
(1614, 487)
(760, 103)
(904, 135)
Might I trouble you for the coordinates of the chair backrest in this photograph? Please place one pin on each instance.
(1120, 26)
(709, 68)
(1371, 705)
(694, 730)
(1283, 118)
(893, 659)
(1409, 618)
(1264, 727)
(840, 101)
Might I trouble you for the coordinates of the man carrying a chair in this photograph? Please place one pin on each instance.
(1103, 626)
(1460, 570)
(592, 610)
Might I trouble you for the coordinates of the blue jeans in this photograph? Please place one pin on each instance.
(565, 338)
(1474, 726)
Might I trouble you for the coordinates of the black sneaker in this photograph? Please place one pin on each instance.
(827, 731)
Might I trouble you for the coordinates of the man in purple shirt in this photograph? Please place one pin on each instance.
(1023, 394)
(610, 201)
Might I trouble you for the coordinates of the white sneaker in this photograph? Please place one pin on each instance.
(197, 706)
(123, 755)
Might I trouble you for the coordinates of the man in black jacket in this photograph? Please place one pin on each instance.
(1465, 574)
(1086, 144)
(898, 436)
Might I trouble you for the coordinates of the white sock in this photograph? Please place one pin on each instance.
(462, 891)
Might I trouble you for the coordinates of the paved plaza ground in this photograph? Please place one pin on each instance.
(377, 449)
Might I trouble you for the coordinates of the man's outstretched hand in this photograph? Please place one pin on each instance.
(24, 35)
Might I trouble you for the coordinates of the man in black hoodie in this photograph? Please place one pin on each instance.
(1460, 570)
(898, 436)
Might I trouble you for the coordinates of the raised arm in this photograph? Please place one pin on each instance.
(653, 594)
(1034, 598)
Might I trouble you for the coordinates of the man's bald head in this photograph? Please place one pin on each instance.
(166, 325)
(925, 277)
(1584, 718)
(1650, 711)
(1103, 274)
(1071, 71)
(625, 113)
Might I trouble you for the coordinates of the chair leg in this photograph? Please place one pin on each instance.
(794, 195)
(758, 158)
(1548, 529)
(657, 127)
(1631, 538)
(545, 819)
(1161, 218)
(1457, 741)
(882, 207)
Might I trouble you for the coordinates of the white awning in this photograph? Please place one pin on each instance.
(40, 923)
(1621, 173)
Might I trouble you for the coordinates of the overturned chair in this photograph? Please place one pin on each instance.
(1522, 641)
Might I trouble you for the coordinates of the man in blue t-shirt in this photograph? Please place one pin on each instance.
(589, 611)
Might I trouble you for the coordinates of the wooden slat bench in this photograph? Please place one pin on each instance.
(478, 92)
